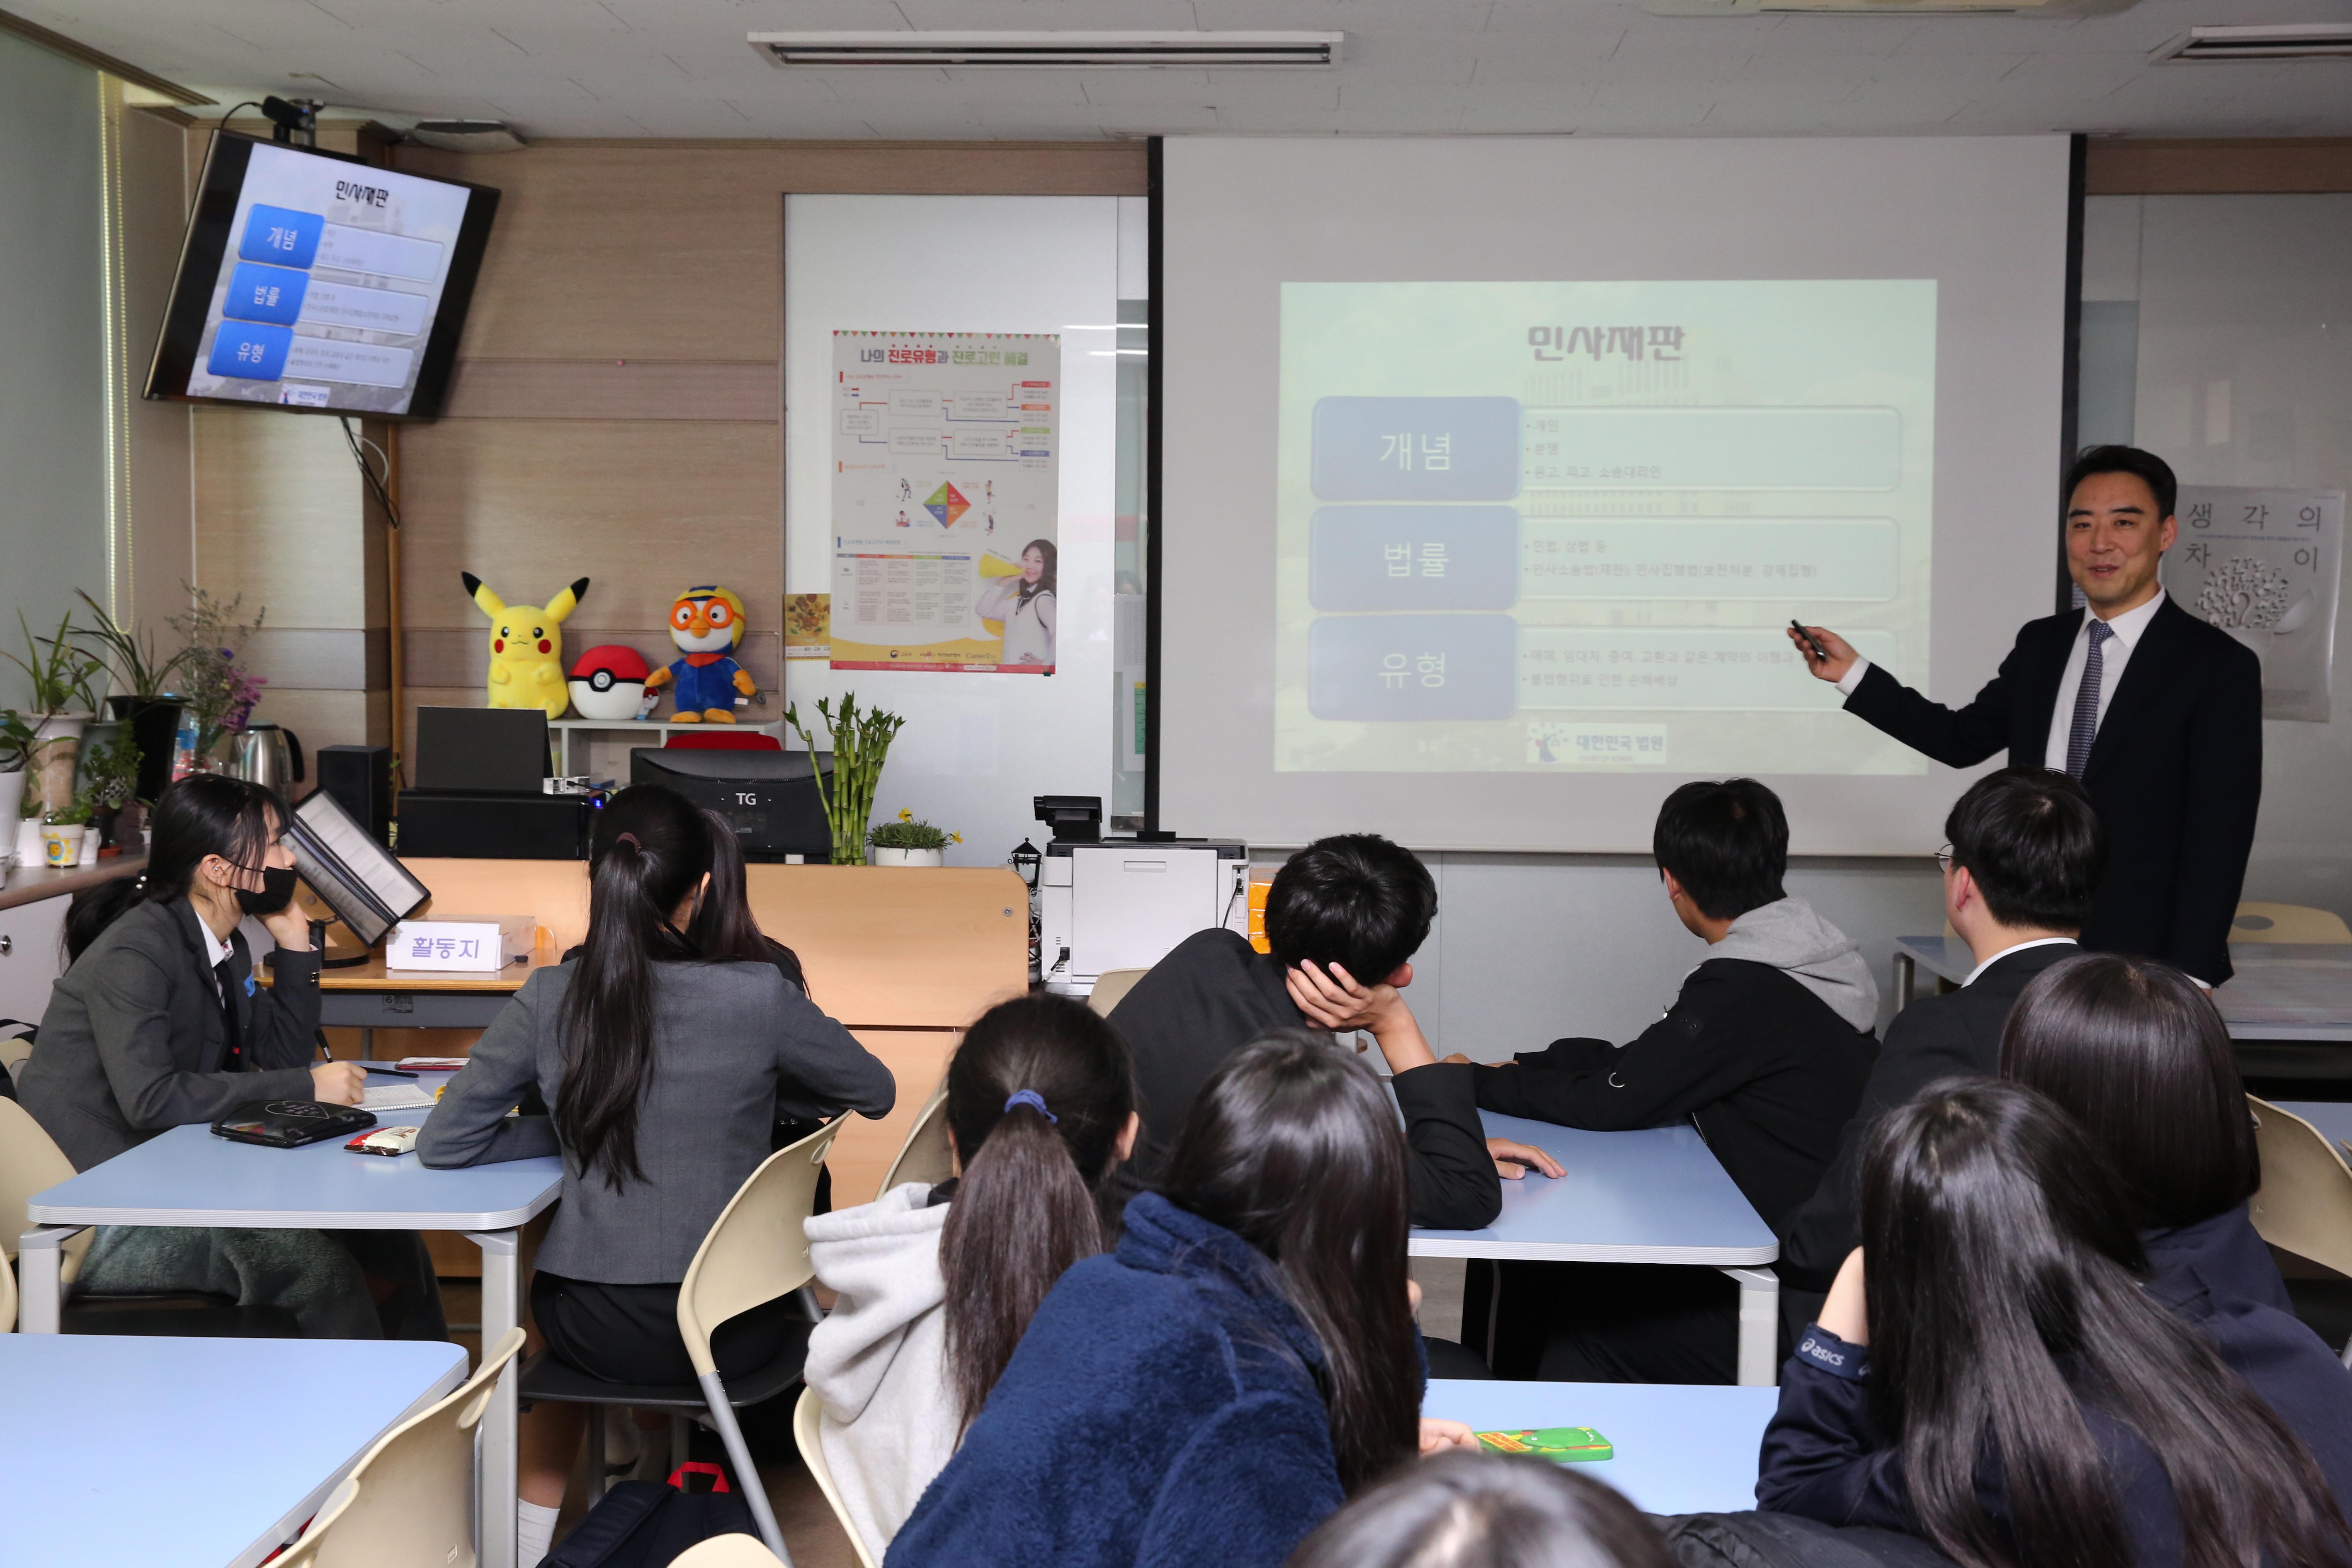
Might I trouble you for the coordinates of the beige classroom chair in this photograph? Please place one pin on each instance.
(31, 1162)
(927, 1156)
(755, 1252)
(2304, 1205)
(726, 1551)
(806, 1416)
(1111, 989)
(2289, 924)
(409, 1502)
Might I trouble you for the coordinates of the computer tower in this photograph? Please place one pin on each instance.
(359, 779)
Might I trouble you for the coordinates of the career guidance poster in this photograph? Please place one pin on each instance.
(945, 495)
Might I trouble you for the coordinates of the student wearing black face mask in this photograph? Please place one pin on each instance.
(159, 1023)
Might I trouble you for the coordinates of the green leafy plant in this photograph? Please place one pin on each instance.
(908, 834)
(129, 656)
(60, 675)
(110, 773)
(29, 807)
(74, 813)
(218, 694)
(16, 738)
(859, 742)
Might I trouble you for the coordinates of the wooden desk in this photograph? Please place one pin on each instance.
(905, 957)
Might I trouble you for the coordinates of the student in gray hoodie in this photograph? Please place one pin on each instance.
(938, 1283)
(1766, 1049)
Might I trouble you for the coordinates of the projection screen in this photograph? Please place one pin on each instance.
(1494, 469)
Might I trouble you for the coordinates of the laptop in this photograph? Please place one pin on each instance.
(484, 751)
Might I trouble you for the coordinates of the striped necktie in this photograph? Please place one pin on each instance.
(2086, 701)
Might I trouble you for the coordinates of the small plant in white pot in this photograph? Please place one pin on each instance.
(907, 842)
(63, 698)
(15, 745)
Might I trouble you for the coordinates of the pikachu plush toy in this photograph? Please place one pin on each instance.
(526, 647)
(707, 624)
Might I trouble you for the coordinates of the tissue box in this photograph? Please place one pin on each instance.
(482, 943)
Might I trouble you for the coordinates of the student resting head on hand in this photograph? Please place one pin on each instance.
(1215, 1388)
(937, 1284)
(1485, 1510)
(1989, 1373)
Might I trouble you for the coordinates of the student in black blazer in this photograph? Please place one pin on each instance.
(159, 1023)
(2156, 713)
(2024, 852)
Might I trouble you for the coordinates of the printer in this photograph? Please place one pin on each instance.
(1121, 903)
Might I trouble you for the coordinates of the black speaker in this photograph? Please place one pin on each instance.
(360, 780)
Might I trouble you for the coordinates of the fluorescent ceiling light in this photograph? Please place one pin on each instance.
(2305, 40)
(1031, 51)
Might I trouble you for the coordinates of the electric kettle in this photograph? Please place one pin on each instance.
(266, 754)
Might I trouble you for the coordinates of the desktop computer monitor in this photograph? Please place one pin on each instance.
(770, 798)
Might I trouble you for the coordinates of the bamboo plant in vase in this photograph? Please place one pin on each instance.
(64, 696)
(859, 741)
(216, 696)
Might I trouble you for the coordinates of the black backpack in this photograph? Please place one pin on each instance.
(638, 1524)
(1784, 1541)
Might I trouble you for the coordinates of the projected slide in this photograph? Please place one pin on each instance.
(326, 294)
(1561, 526)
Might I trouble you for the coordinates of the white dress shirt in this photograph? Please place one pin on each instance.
(215, 950)
(2127, 628)
(2017, 947)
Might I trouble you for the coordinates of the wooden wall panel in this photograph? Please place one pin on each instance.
(2129, 167)
(642, 508)
(861, 1155)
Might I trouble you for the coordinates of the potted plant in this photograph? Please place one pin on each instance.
(63, 698)
(215, 696)
(15, 746)
(110, 776)
(142, 696)
(62, 830)
(859, 742)
(907, 842)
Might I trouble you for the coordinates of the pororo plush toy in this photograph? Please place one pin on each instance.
(526, 647)
(707, 624)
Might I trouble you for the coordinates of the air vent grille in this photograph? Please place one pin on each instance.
(1033, 51)
(2308, 40)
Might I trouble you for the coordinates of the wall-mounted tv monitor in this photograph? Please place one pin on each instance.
(314, 281)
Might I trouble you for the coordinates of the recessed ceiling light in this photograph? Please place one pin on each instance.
(1031, 51)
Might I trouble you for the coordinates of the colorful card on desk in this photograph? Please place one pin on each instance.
(1561, 1445)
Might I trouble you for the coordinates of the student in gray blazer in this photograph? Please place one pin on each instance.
(666, 1071)
(159, 1023)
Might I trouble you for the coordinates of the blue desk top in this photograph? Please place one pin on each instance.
(2333, 1119)
(1681, 1448)
(2282, 990)
(1653, 1197)
(191, 1453)
(187, 1176)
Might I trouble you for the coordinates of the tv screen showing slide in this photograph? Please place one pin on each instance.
(1560, 526)
(1494, 470)
(315, 281)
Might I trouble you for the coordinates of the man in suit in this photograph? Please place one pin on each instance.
(2025, 851)
(2156, 713)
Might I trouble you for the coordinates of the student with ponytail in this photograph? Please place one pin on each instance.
(937, 1284)
(666, 1068)
(1246, 1359)
(1989, 1373)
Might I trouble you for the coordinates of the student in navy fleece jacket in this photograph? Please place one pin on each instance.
(1214, 1389)
(2006, 1389)
(2133, 1051)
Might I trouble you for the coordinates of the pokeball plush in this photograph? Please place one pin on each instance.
(609, 682)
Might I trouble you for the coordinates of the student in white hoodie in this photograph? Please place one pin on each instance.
(937, 1284)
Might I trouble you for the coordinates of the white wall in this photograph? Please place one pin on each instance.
(53, 493)
(976, 749)
(2246, 302)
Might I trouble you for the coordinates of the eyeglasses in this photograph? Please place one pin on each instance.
(1944, 858)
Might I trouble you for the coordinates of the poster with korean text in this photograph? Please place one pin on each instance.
(945, 495)
(2263, 565)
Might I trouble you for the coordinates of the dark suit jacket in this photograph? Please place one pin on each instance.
(132, 1042)
(1212, 995)
(2176, 773)
(1956, 1035)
